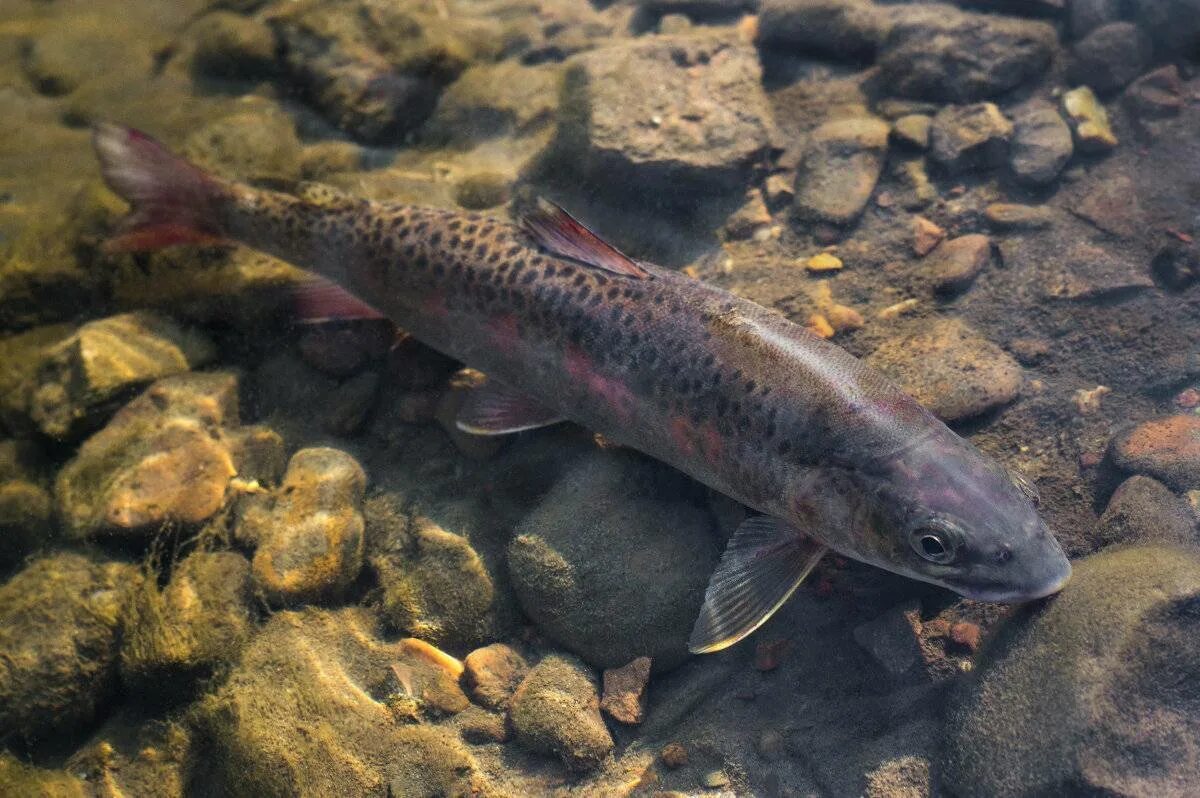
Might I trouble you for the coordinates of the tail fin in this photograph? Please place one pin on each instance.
(173, 201)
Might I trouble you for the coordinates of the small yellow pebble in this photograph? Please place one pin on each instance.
(823, 262)
(819, 326)
(842, 318)
(898, 309)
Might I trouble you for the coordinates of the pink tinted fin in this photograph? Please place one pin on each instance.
(317, 300)
(495, 409)
(763, 564)
(173, 201)
(564, 235)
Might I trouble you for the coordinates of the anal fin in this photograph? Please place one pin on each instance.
(319, 300)
(763, 564)
(495, 409)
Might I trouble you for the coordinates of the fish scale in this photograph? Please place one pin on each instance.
(567, 327)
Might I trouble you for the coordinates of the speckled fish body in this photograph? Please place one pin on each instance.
(721, 388)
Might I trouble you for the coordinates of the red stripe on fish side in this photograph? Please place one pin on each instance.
(434, 305)
(504, 330)
(614, 393)
(681, 434)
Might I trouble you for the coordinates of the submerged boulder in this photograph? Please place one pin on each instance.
(26, 509)
(610, 567)
(556, 710)
(1092, 693)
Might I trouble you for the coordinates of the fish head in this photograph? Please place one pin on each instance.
(944, 513)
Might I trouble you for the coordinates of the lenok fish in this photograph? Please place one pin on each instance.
(834, 455)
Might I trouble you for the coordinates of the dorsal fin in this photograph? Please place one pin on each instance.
(564, 235)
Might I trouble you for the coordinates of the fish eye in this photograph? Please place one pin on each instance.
(934, 541)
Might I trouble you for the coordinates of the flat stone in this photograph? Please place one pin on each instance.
(1110, 203)
(1089, 272)
(308, 533)
(556, 710)
(891, 640)
(1014, 216)
(955, 264)
(1143, 510)
(492, 673)
(1110, 57)
(101, 364)
(703, 121)
(1167, 449)
(935, 52)
(1089, 120)
(624, 698)
(1156, 95)
(926, 236)
(951, 369)
(1042, 145)
(912, 130)
(969, 137)
(840, 168)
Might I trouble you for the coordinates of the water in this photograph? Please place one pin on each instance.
(248, 555)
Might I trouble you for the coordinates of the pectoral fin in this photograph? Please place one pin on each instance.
(495, 409)
(763, 564)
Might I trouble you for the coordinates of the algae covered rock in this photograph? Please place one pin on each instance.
(841, 29)
(18, 778)
(1143, 510)
(951, 369)
(303, 714)
(556, 710)
(610, 567)
(188, 629)
(164, 457)
(254, 144)
(26, 508)
(1092, 693)
(80, 378)
(492, 673)
(308, 533)
(59, 627)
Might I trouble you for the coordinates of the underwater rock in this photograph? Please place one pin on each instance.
(80, 379)
(610, 567)
(20, 359)
(1167, 449)
(26, 509)
(748, 220)
(624, 698)
(187, 630)
(436, 585)
(934, 52)
(955, 264)
(299, 715)
(703, 121)
(350, 404)
(376, 70)
(492, 673)
(1087, 15)
(1042, 145)
(1109, 201)
(967, 137)
(308, 533)
(1089, 120)
(843, 29)
(229, 45)
(903, 777)
(840, 168)
(891, 639)
(1143, 510)
(66, 56)
(167, 456)
(912, 130)
(1174, 25)
(59, 623)
(1156, 95)
(556, 710)
(951, 369)
(1109, 57)
(1014, 216)
(492, 101)
(259, 143)
(1091, 693)
(1089, 273)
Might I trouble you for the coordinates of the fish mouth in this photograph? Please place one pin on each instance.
(1003, 593)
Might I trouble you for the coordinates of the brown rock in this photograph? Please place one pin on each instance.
(965, 634)
(840, 169)
(912, 130)
(1089, 272)
(624, 698)
(555, 710)
(492, 673)
(967, 137)
(1166, 448)
(674, 755)
(1143, 510)
(956, 263)
(1110, 203)
(926, 236)
(1156, 95)
(1012, 216)
(749, 219)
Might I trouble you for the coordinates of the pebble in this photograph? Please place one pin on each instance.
(1013, 216)
(492, 673)
(919, 190)
(673, 755)
(843, 318)
(1087, 402)
(1110, 56)
(912, 131)
(780, 190)
(1110, 203)
(890, 639)
(840, 168)
(955, 264)
(1143, 510)
(1166, 448)
(1087, 15)
(819, 326)
(556, 710)
(747, 220)
(624, 697)
(926, 236)
(823, 262)
(1030, 351)
(1156, 95)
(899, 308)
(1089, 120)
(1042, 145)
(968, 137)
(951, 369)
(307, 534)
(80, 378)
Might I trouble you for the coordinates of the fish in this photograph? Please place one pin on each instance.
(832, 454)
